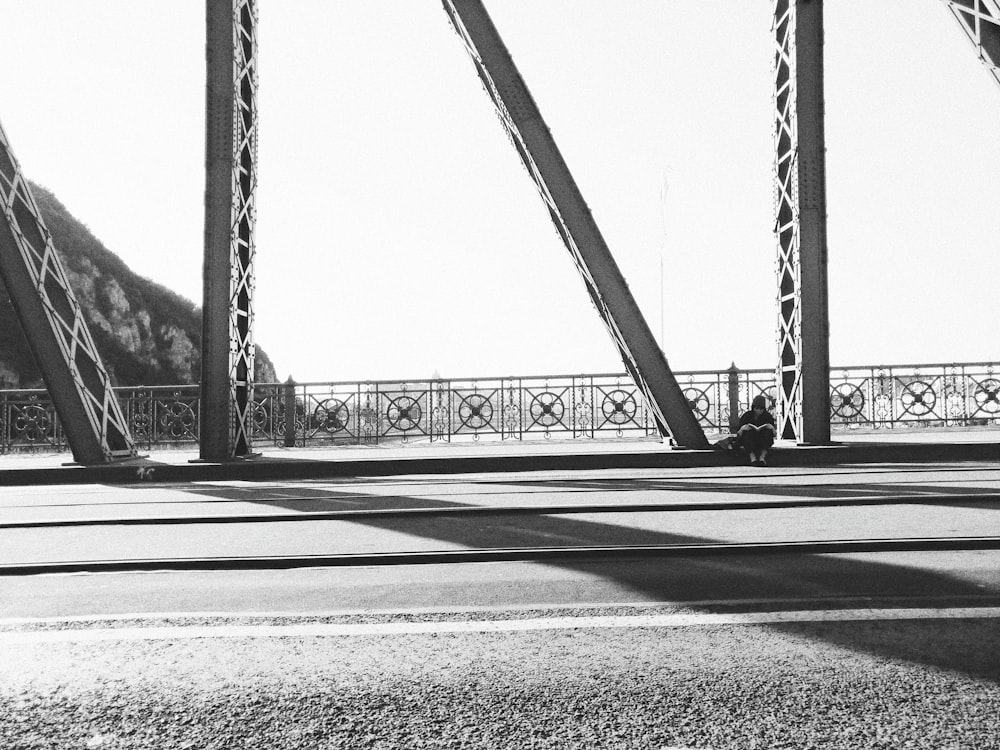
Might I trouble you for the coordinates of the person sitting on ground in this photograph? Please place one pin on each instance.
(757, 431)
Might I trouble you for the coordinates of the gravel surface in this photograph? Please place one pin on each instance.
(887, 684)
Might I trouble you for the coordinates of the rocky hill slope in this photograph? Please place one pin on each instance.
(146, 334)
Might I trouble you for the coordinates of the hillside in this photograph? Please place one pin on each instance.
(145, 333)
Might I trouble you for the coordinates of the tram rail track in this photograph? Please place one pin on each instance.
(506, 554)
(521, 509)
(919, 540)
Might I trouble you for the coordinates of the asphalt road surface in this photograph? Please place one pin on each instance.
(630, 609)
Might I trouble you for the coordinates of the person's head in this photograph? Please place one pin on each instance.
(759, 403)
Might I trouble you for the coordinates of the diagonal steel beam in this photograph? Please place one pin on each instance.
(605, 284)
(980, 19)
(54, 326)
(230, 213)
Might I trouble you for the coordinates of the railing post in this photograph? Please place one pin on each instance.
(734, 397)
(289, 392)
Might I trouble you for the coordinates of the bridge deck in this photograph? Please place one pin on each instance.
(443, 458)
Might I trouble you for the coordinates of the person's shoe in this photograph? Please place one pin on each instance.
(762, 462)
(756, 463)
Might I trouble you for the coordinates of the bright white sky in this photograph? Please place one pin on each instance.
(398, 234)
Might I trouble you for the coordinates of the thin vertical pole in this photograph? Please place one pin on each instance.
(289, 399)
(662, 301)
(733, 396)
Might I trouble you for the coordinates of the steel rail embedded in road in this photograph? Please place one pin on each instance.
(508, 554)
(563, 509)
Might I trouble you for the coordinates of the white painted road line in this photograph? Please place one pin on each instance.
(308, 630)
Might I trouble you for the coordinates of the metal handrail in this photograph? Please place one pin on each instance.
(520, 407)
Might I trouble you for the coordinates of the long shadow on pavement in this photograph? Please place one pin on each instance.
(854, 580)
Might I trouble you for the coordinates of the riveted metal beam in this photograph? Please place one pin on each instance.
(571, 216)
(980, 20)
(230, 189)
(54, 326)
(800, 178)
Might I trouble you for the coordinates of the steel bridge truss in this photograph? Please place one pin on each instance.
(54, 326)
(79, 384)
(786, 226)
(230, 213)
(522, 120)
(800, 181)
(980, 19)
(803, 397)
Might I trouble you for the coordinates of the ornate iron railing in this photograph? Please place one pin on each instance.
(942, 395)
(521, 408)
(157, 416)
(513, 408)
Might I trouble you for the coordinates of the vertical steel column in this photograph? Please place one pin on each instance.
(54, 326)
(230, 185)
(980, 19)
(800, 176)
(605, 284)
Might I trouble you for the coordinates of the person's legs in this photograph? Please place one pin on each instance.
(764, 441)
(745, 441)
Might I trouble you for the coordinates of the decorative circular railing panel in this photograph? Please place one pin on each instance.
(404, 413)
(847, 401)
(699, 401)
(569, 407)
(475, 411)
(176, 421)
(918, 398)
(987, 396)
(619, 407)
(33, 424)
(547, 409)
(331, 415)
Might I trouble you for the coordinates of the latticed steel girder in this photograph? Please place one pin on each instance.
(786, 226)
(520, 116)
(980, 19)
(230, 212)
(803, 398)
(54, 327)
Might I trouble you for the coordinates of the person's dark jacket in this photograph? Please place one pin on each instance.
(764, 418)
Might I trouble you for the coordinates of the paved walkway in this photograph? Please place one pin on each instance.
(856, 650)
